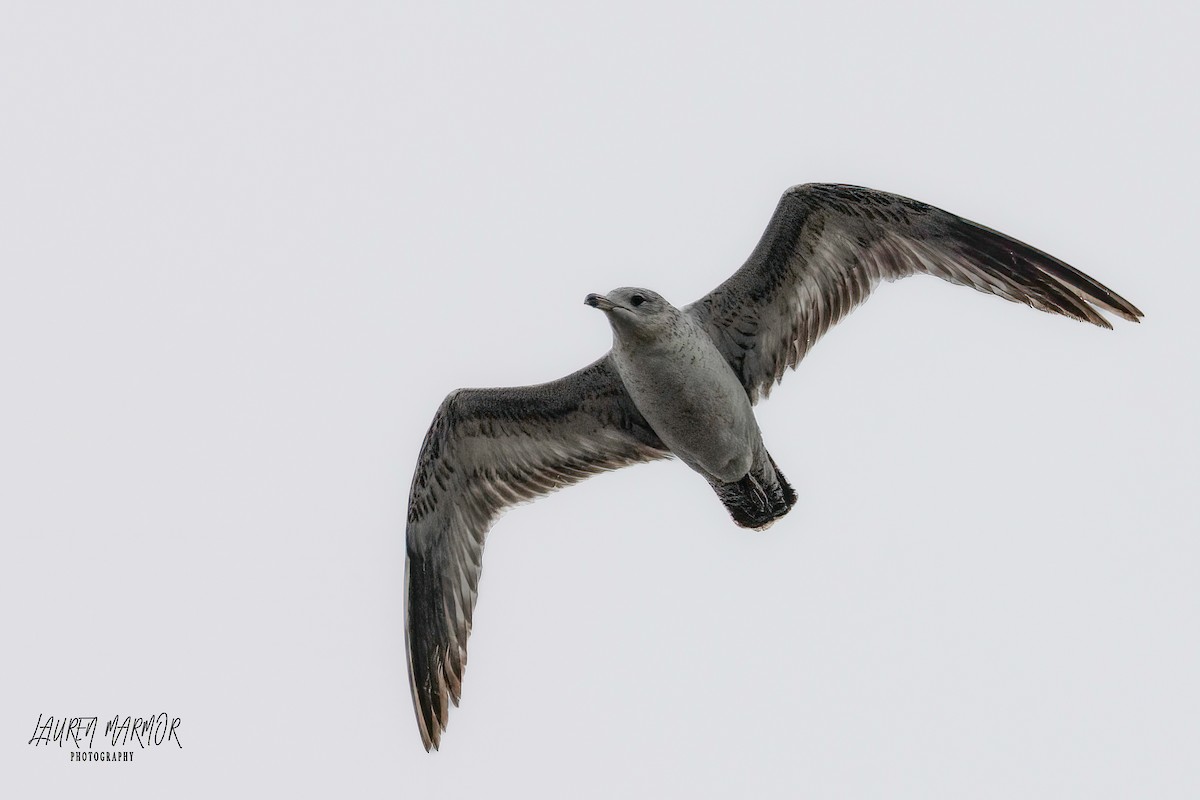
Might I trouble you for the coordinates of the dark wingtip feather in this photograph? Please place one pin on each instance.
(422, 639)
(1053, 282)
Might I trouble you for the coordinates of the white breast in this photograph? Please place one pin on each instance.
(690, 396)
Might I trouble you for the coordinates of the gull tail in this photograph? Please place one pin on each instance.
(762, 496)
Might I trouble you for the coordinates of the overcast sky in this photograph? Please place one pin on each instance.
(247, 248)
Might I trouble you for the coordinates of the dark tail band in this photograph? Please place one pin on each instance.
(762, 496)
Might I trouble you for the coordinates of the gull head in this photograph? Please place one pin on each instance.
(634, 312)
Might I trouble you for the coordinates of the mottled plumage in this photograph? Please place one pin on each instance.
(681, 382)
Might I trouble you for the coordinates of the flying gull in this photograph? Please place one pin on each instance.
(681, 382)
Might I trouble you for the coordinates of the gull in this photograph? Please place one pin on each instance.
(682, 382)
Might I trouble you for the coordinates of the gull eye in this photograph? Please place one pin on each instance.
(637, 300)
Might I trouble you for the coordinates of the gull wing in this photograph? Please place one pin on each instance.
(488, 449)
(829, 245)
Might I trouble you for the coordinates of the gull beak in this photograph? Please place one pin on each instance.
(599, 301)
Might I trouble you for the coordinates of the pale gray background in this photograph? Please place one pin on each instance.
(247, 248)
